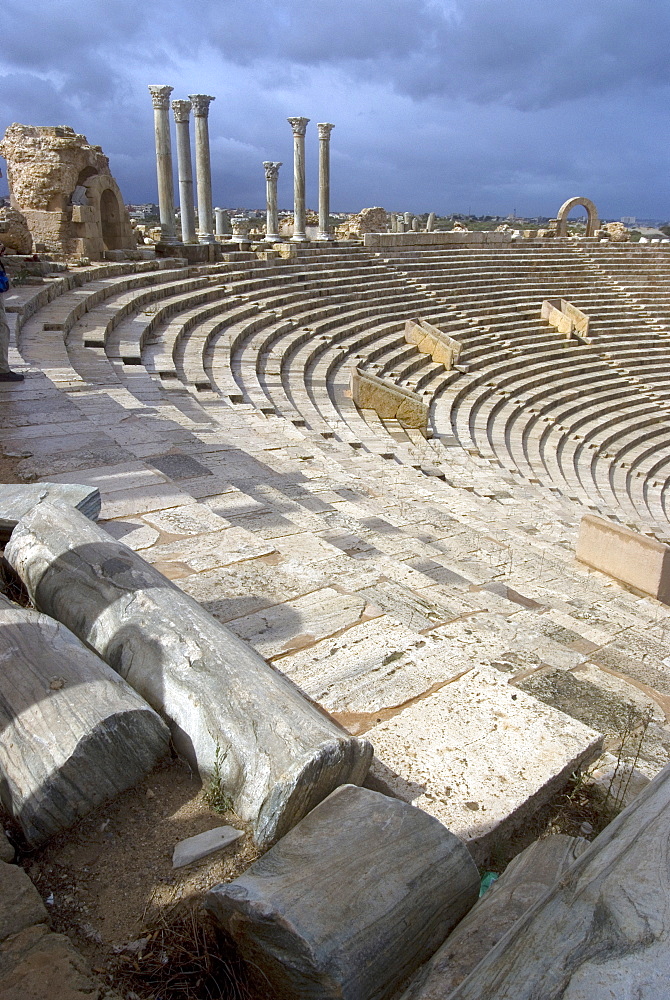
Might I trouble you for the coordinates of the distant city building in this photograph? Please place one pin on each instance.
(628, 220)
(142, 211)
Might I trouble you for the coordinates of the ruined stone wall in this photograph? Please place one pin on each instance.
(64, 188)
(14, 232)
(369, 220)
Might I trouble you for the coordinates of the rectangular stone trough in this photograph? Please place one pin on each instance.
(634, 559)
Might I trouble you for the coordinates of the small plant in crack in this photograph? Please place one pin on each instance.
(215, 795)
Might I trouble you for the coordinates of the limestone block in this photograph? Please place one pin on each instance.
(373, 395)
(6, 849)
(525, 880)
(414, 333)
(429, 339)
(602, 930)
(480, 755)
(278, 754)
(74, 734)
(626, 555)
(369, 220)
(14, 232)
(36, 964)
(616, 231)
(351, 901)
(412, 413)
(388, 399)
(454, 345)
(428, 344)
(83, 214)
(20, 902)
(443, 354)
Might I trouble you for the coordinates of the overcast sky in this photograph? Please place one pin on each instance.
(439, 105)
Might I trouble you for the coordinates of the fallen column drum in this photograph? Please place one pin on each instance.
(230, 713)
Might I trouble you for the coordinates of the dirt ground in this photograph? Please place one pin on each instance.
(109, 881)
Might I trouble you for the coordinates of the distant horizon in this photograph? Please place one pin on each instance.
(439, 105)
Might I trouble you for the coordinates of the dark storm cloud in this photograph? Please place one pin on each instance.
(438, 104)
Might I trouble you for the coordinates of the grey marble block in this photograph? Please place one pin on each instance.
(351, 901)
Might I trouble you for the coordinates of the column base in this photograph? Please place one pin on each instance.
(299, 238)
(273, 238)
(325, 237)
(206, 238)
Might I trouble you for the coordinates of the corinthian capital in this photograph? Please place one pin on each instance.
(181, 110)
(160, 96)
(271, 170)
(299, 125)
(201, 104)
(325, 128)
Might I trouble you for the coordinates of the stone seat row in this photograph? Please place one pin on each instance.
(534, 388)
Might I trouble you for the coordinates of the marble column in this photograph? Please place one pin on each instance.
(160, 98)
(220, 227)
(325, 128)
(203, 166)
(299, 126)
(272, 223)
(182, 111)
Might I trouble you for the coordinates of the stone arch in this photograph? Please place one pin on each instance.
(110, 220)
(592, 222)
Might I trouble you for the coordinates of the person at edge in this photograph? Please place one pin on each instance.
(6, 374)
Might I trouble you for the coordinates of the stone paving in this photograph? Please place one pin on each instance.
(412, 587)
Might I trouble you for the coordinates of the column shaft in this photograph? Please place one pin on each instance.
(299, 126)
(182, 110)
(325, 128)
(272, 216)
(160, 97)
(203, 166)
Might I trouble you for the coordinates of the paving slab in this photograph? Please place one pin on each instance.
(480, 755)
(371, 667)
(301, 622)
(179, 466)
(207, 551)
(187, 519)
